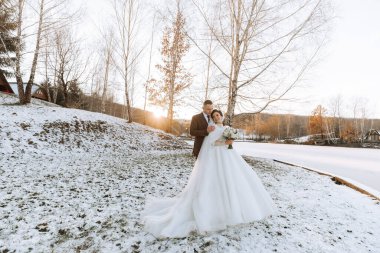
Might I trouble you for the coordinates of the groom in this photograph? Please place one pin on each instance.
(199, 126)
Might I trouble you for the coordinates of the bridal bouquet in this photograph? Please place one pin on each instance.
(230, 134)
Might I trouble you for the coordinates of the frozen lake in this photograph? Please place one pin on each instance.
(360, 166)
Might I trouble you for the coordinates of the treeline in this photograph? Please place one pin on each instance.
(286, 126)
(256, 126)
(262, 126)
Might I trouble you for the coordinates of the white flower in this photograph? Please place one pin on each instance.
(230, 133)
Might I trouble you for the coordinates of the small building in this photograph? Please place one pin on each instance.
(40, 93)
(11, 88)
(372, 135)
(37, 92)
(4, 85)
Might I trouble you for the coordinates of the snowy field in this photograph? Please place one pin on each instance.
(361, 166)
(76, 181)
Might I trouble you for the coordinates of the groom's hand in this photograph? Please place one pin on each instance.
(210, 129)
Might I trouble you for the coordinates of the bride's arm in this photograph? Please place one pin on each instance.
(219, 143)
(222, 141)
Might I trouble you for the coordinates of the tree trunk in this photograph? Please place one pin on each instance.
(105, 84)
(235, 63)
(208, 70)
(20, 85)
(231, 107)
(170, 109)
(28, 90)
(128, 104)
(65, 94)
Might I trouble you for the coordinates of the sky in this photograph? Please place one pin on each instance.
(350, 66)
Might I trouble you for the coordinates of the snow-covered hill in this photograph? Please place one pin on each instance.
(76, 181)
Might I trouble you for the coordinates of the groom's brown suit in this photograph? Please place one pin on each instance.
(198, 128)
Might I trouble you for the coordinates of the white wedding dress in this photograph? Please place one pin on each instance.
(222, 190)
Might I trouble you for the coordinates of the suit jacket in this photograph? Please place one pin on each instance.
(198, 128)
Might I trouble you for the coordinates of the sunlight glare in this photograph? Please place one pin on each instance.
(158, 112)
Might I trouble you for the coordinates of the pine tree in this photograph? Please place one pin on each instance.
(175, 79)
(75, 94)
(7, 39)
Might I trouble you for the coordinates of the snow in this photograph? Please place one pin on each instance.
(51, 130)
(359, 166)
(302, 139)
(75, 181)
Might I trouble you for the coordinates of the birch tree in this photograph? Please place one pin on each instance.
(34, 20)
(288, 121)
(336, 111)
(149, 68)
(25, 95)
(261, 47)
(126, 19)
(108, 60)
(359, 108)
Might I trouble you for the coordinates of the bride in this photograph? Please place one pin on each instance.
(222, 190)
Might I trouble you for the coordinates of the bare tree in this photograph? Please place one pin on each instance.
(126, 19)
(149, 69)
(288, 122)
(95, 83)
(359, 108)
(356, 105)
(107, 56)
(258, 37)
(44, 16)
(67, 62)
(46, 85)
(363, 111)
(25, 96)
(336, 111)
(208, 69)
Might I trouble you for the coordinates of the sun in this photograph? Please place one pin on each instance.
(158, 112)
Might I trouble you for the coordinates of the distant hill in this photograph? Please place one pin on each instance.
(138, 115)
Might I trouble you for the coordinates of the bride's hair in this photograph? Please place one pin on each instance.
(214, 111)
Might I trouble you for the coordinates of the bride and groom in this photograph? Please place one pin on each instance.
(221, 191)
